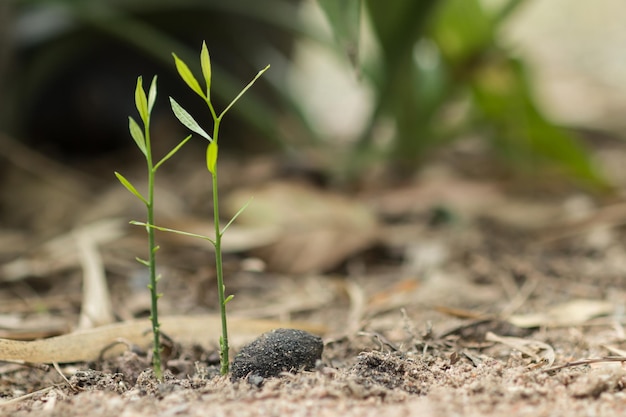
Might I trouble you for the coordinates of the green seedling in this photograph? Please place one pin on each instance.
(141, 137)
(211, 162)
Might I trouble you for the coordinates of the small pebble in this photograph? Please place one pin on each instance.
(281, 350)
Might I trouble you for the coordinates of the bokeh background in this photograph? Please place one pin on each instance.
(354, 86)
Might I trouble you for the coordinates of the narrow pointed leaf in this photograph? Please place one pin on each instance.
(152, 94)
(230, 297)
(142, 261)
(137, 134)
(141, 102)
(211, 156)
(242, 92)
(188, 77)
(178, 232)
(130, 187)
(205, 62)
(172, 152)
(232, 219)
(185, 118)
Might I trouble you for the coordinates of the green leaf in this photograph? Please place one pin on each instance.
(205, 62)
(242, 92)
(230, 297)
(142, 261)
(211, 157)
(185, 118)
(152, 94)
(130, 187)
(178, 232)
(137, 134)
(232, 219)
(172, 152)
(345, 17)
(141, 102)
(187, 76)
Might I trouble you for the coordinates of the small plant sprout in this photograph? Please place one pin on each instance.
(142, 139)
(211, 162)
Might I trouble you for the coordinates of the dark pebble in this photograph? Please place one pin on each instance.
(281, 350)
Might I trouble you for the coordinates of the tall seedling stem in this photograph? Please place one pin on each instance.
(142, 140)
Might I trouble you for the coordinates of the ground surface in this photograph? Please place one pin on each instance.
(458, 292)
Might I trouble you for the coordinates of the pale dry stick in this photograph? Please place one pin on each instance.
(588, 361)
(60, 372)
(358, 303)
(26, 396)
(96, 308)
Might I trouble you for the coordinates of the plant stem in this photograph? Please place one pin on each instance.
(224, 360)
(154, 295)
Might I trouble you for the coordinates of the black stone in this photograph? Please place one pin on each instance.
(280, 350)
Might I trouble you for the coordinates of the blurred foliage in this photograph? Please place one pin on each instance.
(432, 56)
(437, 53)
(73, 77)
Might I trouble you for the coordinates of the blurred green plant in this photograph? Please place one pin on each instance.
(434, 52)
(431, 56)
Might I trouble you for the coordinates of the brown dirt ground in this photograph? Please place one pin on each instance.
(420, 323)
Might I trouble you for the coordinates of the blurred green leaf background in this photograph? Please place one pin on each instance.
(434, 72)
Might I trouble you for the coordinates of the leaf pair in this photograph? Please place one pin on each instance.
(188, 77)
(144, 107)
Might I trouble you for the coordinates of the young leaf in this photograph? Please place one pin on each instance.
(142, 261)
(186, 119)
(140, 101)
(232, 219)
(137, 134)
(230, 297)
(178, 232)
(205, 62)
(242, 92)
(187, 76)
(152, 94)
(211, 156)
(172, 152)
(130, 187)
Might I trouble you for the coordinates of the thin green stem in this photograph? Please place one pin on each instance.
(224, 360)
(154, 295)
